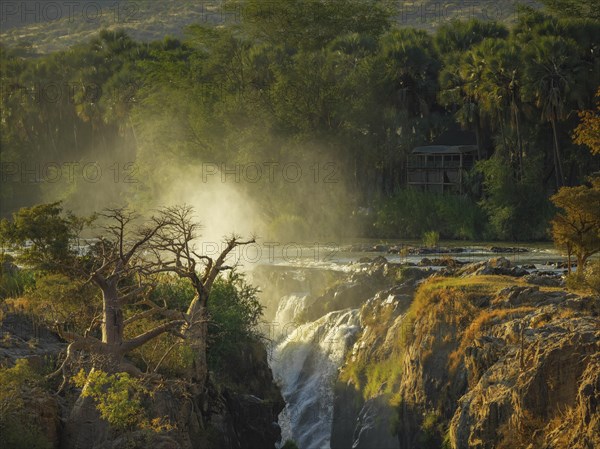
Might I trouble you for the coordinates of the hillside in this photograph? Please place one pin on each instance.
(52, 26)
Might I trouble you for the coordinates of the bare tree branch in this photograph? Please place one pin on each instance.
(136, 342)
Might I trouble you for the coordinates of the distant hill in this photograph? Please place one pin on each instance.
(47, 26)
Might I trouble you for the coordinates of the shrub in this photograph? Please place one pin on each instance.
(55, 298)
(18, 428)
(591, 275)
(234, 312)
(14, 284)
(431, 239)
(517, 210)
(166, 354)
(178, 291)
(586, 279)
(410, 213)
(118, 397)
(13, 280)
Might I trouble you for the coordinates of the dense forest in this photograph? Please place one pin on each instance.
(322, 108)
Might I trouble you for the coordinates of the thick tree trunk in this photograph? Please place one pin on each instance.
(196, 333)
(581, 259)
(110, 356)
(112, 314)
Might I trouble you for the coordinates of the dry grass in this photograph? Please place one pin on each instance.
(449, 304)
(478, 325)
(449, 299)
(522, 434)
(566, 314)
(455, 298)
(473, 284)
(488, 284)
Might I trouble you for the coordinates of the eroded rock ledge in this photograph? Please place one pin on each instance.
(472, 359)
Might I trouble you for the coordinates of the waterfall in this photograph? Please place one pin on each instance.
(289, 309)
(305, 363)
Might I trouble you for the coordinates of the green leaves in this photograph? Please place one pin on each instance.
(19, 426)
(235, 312)
(411, 213)
(578, 224)
(517, 209)
(118, 397)
(312, 24)
(297, 81)
(45, 233)
(551, 77)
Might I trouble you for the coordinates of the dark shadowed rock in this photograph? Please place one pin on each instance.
(545, 280)
(241, 414)
(374, 424)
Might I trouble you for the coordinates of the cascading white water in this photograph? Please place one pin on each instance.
(288, 311)
(305, 363)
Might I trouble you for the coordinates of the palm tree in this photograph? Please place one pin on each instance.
(409, 69)
(552, 83)
(459, 36)
(460, 82)
(499, 88)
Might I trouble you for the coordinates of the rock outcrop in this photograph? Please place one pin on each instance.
(473, 361)
(242, 413)
(363, 415)
(239, 413)
(526, 375)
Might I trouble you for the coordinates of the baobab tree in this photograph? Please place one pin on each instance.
(114, 263)
(117, 264)
(123, 263)
(174, 249)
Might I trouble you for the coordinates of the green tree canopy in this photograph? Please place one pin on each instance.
(574, 8)
(43, 235)
(577, 226)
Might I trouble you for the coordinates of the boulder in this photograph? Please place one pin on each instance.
(545, 280)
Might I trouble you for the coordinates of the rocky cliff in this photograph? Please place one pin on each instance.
(472, 359)
(239, 412)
